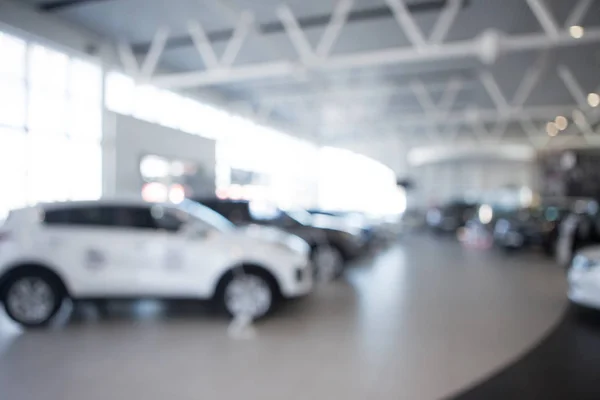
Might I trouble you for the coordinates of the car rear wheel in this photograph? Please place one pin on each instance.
(247, 294)
(328, 263)
(32, 300)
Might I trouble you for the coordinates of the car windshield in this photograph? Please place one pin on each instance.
(301, 216)
(206, 215)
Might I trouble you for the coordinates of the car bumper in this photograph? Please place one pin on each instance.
(298, 281)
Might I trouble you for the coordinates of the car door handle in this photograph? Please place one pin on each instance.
(95, 259)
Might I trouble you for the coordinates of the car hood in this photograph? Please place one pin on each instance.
(334, 224)
(274, 235)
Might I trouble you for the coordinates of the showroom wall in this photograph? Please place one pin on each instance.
(439, 182)
(127, 140)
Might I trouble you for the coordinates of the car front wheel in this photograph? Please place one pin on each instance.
(328, 263)
(247, 294)
(32, 300)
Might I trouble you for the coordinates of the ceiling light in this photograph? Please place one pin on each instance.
(561, 123)
(551, 129)
(593, 99)
(576, 31)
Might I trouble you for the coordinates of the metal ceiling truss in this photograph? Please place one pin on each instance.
(503, 111)
(488, 47)
(531, 119)
(231, 9)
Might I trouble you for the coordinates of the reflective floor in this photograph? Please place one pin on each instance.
(422, 320)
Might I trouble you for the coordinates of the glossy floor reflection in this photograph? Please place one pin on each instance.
(420, 321)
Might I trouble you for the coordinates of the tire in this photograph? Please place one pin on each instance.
(328, 262)
(26, 291)
(247, 292)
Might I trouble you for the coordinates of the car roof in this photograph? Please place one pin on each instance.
(113, 201)
(214, 200)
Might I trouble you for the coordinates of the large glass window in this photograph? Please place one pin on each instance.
(50, 125)
(48, 70)
(12, 102)
(353, 182)
(151, 104)
(119, 94)
(12, 81)
(13, 57)
(13, 170)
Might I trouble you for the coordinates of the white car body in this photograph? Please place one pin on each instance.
(584, 278)
(119, 261)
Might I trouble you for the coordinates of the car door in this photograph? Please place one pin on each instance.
(163, 260)
(160, 251)
(191, 253)
(143, 249)
(86, 245)
(210, 245)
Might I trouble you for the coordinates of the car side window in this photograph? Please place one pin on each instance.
(133, 217)
(137, 217)
(167, 219)
(56, 217)
(88, 216)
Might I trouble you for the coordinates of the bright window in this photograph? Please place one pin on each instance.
(12, 56)
(120, 90)
(12, 170)
(54, 103)
(48, 70)
(47, 113)
(190, 121)
(84, 122)
(171, 109)
(12, 103)
(147, 103)
(85, 82)
(48, 169)
(86, 177)
(353, 182)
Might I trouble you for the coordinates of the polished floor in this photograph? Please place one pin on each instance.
(424, 319)
(564, 365)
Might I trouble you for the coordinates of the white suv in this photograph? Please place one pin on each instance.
(131, 249)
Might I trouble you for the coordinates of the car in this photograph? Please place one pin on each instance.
(132, 249)
(524, 227)
(579, 228)
(370, 231)
(332, 242)
(377, 230)
(584, 278)
(451, 216)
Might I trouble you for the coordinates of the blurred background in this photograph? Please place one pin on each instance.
(453, 144)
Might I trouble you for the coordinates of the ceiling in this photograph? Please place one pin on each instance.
(436, 97)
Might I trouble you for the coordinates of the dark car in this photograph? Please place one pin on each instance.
(357, 220)
(331, 242)
(580, 228)
(450, 216)
(530, 227)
